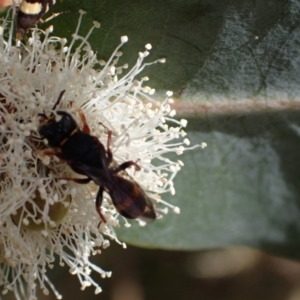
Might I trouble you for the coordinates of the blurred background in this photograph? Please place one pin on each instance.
(227, 274)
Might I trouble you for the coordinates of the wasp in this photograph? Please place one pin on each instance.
(29, 13)
(86, 155)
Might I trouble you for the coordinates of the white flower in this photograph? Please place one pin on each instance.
(43, 217)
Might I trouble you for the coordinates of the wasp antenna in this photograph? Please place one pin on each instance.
(58, 100)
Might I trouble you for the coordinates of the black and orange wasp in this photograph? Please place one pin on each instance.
(86, 155)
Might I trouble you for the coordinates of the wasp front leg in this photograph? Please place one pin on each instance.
(86, 127)
(49, 152)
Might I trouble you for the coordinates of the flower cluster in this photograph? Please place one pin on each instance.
(43, 217)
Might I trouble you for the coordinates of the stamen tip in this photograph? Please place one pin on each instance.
(124, 39)
(96, 24)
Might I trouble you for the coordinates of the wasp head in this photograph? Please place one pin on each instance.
(57, 128)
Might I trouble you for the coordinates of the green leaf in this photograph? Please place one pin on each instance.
(184, 32)
(243, 189)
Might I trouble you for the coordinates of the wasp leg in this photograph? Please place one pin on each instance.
(108, 150)
(99, 199)
(51, 17)
(104, 126)
(86, 127)
(126, 165)
(49, 152)
(78, 180)
(122, 166)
